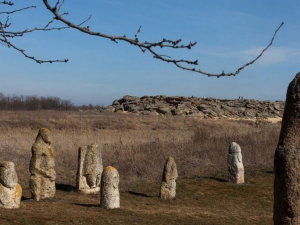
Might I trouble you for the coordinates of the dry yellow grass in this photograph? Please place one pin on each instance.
(138, 147)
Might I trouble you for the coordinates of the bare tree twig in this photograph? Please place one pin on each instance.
(21, 33)
(18, 10)
(3, 32)
(265, 49)
(6, 25)
(7, 3)
(137, 33)
(60, 5)
(53, 19)
(85, 21)
(31, 57)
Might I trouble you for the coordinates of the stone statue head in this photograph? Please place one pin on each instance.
(8, 175)
(170, 170)
(234, 148)
(44, 135)
(110, 176)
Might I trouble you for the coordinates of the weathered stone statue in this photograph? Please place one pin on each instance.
(89, 170)
(235, 164)
(287, 161)
(168, 183)
(42, 180)
(10, 190)
(110, 195)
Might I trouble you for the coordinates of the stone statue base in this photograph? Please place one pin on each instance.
(88, 191)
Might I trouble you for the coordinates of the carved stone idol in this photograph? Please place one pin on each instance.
(168, 183)
(42, 179)
(10, 190)
(287, 161)
(110, 195)
(235, 164)
(89, 170)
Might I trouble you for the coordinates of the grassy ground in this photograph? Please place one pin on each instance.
(200, 200)
(138, 147)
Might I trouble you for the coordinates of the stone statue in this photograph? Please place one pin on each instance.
(42, 180)
(168, 183)
(287, 161)
(10, 190)
(89, 170)
(235, 164)
(110, 195)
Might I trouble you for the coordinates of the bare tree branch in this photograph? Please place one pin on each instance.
(31, 57)
(150, 46)
(18, 10)
(12, 34)
(3, 34)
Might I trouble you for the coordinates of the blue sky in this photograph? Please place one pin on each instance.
(229, 33)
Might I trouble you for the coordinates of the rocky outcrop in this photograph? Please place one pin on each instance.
(197, 107)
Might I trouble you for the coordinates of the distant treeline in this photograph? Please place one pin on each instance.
(32, 102)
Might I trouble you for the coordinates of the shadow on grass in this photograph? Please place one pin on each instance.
(24, 198)
(64, 187)
(139, 194)
(216, 179)
(87, 205)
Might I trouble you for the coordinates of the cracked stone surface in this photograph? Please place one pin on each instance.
(168, 183)
(235, 164)
(42, 179)
(89, 170)
(10, 190)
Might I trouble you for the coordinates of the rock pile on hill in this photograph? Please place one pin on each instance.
(197, 107)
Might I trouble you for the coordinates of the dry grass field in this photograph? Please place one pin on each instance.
(138, 147)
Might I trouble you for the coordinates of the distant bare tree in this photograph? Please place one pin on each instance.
(67, 105)
(33, 102)
(6, 36)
